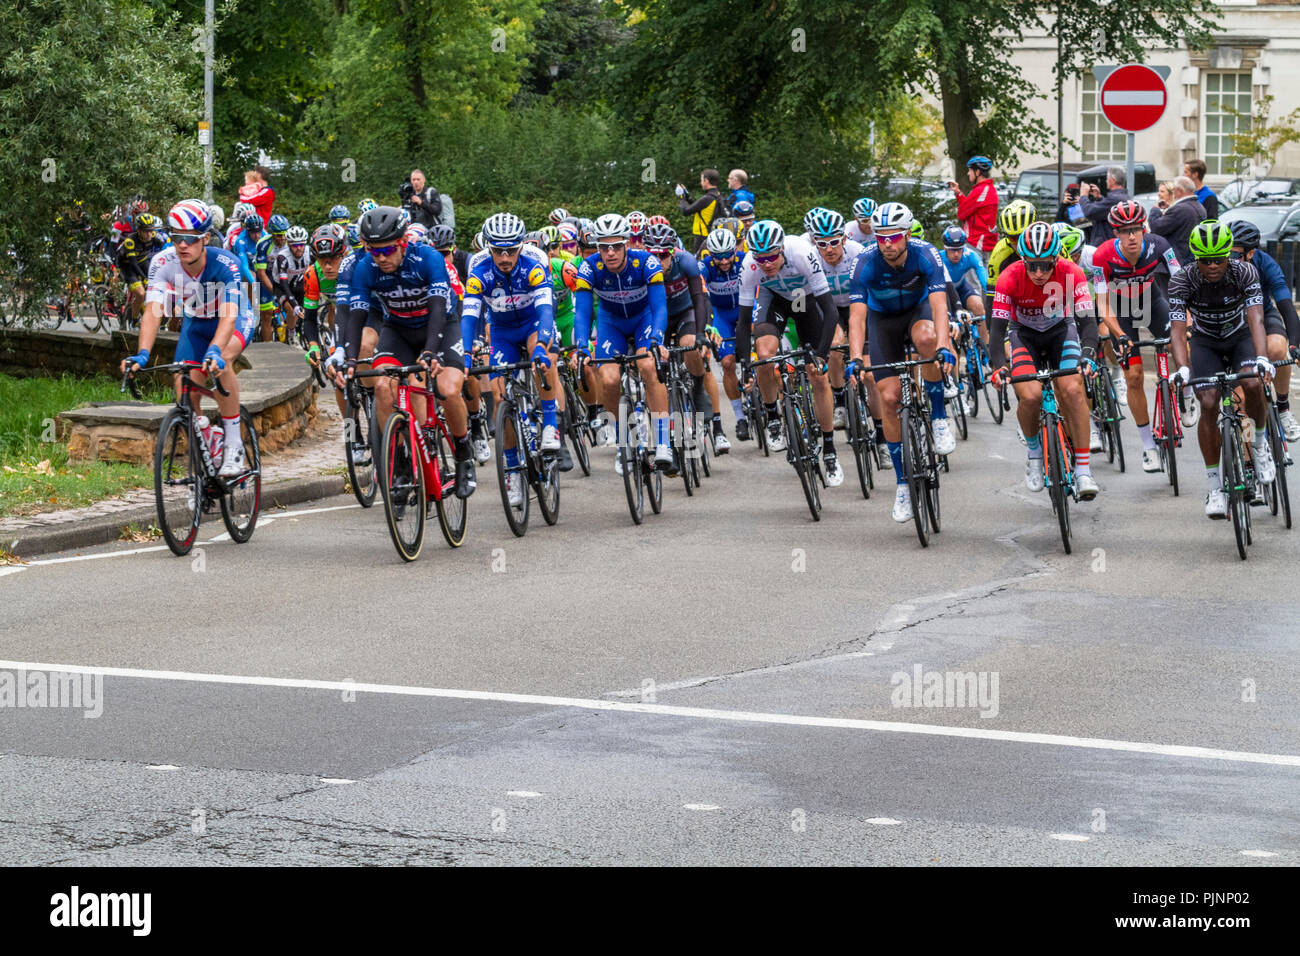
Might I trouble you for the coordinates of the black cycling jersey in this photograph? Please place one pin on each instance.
(1218, 308)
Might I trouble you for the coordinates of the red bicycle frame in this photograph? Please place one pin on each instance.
(1158, 417)
(437, 486)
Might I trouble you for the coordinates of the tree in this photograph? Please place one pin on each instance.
(98, 102)
(1257, 142)
(573, 42)
(959, 51)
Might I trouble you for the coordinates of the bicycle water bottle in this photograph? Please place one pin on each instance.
(215, 437)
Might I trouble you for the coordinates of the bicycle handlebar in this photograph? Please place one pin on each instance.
(128, 379)
(1044, 376)
(908, 363)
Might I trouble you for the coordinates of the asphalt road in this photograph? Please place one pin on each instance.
(721, 685)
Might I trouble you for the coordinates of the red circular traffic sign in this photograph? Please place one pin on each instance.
(1133, 97)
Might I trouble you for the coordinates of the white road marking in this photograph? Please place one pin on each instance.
(1070, 837)
(1264, 853)
(163, 766)
(527, 794)
(96, 557)
(666, 710)
(700, 806)
(14, 569)
(316, 511)
(336, 780)
(884, 821)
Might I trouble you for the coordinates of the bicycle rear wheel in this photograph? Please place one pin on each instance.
(453, 512)
(682, 424)
(1233, 470)
(797, 450)
(242, 494)
(510, 429)
(858, 441)
(1281, 493)
(914, 473)
(177, 482)
(358, 443)
(957, 410)
(577, 418)
(995, 397)
(401, 480)
(547, 487)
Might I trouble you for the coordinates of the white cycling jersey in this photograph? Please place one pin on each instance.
(839, 275)
(854, 232)
(800, 272)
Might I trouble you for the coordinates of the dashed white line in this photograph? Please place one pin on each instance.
(666, 710)
(1262, 853)
(884, 821)
(336, 780)
(701, 806)
(1070, 837)
(526, 794)
(162, 767)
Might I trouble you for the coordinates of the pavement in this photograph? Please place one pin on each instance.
(728, 683)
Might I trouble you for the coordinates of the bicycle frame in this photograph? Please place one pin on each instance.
(437, 489)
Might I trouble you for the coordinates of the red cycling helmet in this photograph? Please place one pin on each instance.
(1127, 213)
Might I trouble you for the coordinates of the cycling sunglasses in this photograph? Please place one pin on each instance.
(505, 250)
(383, 250)
(188, 238)
(891, 239)
(612, 246)
(764, 260)
(829, 243)
(1039, 265)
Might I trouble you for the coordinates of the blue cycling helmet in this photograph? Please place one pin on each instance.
(954, 237)
(354, 235)
(864, 207)
(742, 209)
(253, 223)
(340, 213)
(765, 237)
(982, 163)
(278, 224)
(827, 224)
(1039, 241)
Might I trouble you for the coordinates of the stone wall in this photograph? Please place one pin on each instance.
(30, 352)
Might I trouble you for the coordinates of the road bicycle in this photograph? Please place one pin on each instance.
(921, 463)
(1106, 414)
(417, 467)
(802, 433)
(577, 417)
(185, 470)
(859, 429)
(636, 450)
(1058, 451)
(359, 440)
(689, 444)
(518, 421)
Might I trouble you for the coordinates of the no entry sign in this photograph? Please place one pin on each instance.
(1133, 97)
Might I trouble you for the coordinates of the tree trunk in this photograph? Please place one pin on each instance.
(959, 120)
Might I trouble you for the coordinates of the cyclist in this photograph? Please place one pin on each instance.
(1045, 301)
(1012, 221)
(339, 214)
(744, 211)
(779, 276)
(1281, 324)
(898, 294)
(965, 271)
(238, 214)
(1222, 300)
(720, 272)
(202, 284)
(509, 286)
(354, 238)
(320, 287)
(1128, 297)
(687, 304)
(859, 230)
(411, 286)
(638, 221)
(558, 215)
(629, 285)
(134, 253)
(271, 250)
(838, 255)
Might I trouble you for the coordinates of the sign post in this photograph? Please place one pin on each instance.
(1133, 98)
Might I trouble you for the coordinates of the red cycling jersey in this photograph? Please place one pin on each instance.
(978, 212)
(1064, 295)
(1120, 276)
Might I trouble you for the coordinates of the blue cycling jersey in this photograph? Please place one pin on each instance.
(343, 286)
(521, 298)
(245, 249)
(886, 289)
(677, 284)
(969, 260)
(636, 289)
(723, 286)
(1271, 277)
(403, 294)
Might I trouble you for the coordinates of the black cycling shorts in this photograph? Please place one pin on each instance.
(1274, 324)
(679, 324)
(1035, 351)
(1211, 355)
(402, 345)
(1148, 311)
(888, 334)
(779, 310)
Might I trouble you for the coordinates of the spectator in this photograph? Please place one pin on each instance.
(1194, 169)
(978, 210)
(1165, 194)
(1097, 207)
(738, 182)
(1176, 223)
(257, 191)
(703, 210)
(424, 204)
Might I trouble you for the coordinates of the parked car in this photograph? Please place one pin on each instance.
(938, 202)
(1277, 219)
(1251, 190)
(1038, 185)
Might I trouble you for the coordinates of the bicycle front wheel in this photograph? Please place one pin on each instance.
(1170, 441)
(177, 482)
(358, 450)
(453, 511)
(242, 494)
(914, 472)
(797, 449)
(1233, 470)
(857, 430)
(401, 480)
(510, 430)
(1057, 471)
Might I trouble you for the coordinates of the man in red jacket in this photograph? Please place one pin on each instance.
(978, 210)
(258, 192)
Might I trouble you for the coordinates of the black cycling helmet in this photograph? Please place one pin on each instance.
(1245, 234)
(382, 224)
(442, 237)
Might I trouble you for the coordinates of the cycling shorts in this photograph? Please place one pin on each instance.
(1149, 311)
(775, 318)
(1034, 350)
(196, 335)
(402, 345)
(679, 324)
(510, 343)
(616, 336)
(888, 334)
(725, 323)
(1211, 355)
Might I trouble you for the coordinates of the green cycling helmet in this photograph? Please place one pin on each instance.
(1212, 239)
(1071, 239)
(918, 230)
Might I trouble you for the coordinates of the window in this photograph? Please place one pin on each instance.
(1224, 90)
(1101, 141)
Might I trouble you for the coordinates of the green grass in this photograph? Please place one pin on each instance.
(35, 474)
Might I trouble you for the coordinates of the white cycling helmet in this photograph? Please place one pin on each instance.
(218, 216)
(503, 230)
(297, 235)
(611, 226)
(241, 211)
(721, 243)
(891, 218)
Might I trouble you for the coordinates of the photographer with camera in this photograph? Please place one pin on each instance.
(424, 204)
